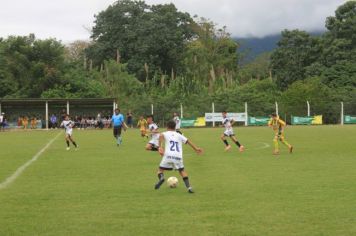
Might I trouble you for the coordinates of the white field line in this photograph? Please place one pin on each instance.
(265, 145)
(19, 171)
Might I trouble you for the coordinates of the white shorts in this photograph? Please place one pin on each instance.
(170, 163)
(154, 142)
(69, 133)
(229, 133)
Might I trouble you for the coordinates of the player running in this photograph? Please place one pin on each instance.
(142, 124)
(173, 154)
(117, 123)
(177, 121)
(68, 125)
(229, 132)
(278, 128)
(152, 145)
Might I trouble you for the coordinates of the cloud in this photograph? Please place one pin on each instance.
(67, 19)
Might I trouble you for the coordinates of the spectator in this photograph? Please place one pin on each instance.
(19, 122)
(63, 114)
(34, 123)
(129, 119)
(2, 121)
(25, 122)
(53, 121)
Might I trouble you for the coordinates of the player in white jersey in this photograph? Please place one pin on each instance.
(67, 124)
(152, 145)
(229, 132)
(172, 154)
(177, 121)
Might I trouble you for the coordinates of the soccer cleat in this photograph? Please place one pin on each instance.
(227, 148)
(276, 153)
(190, 190)
(76, 148)
(68, 148)
(158, 185)
(242, 148)
(291, 149)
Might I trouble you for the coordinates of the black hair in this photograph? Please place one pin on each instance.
(150, 116)
(274, 115)
(224, 112)
(171, 125)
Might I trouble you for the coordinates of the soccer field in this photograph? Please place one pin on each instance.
(105, 190)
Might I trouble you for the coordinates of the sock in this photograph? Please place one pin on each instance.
(67, 143)
(226, 143)
(153, 149)
(160, 176)
(276, 146)
(160, 180)
(285, 143)
(186, 181)
(238, 144)
(118, 140)
(75, 145)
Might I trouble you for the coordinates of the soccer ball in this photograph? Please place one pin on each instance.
(172, 182)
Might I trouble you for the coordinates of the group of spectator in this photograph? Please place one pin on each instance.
(99, 121)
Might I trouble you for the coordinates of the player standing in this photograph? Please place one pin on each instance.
(118, 122)
(172, 155)
(152, 145)
(67, 124)
(278, 126)
(142, 124)
(2, 121)
(177, 121)
(229, 132)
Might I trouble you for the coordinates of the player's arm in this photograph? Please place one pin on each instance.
(232, 122)
(195, 148)
(124, 125)
(160, 144)
(282, 124)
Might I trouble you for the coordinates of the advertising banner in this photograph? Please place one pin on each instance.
(198, 122)
(307, 120)
(349, 119)
(260, 120)
(217, 117)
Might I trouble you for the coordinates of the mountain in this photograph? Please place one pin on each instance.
(254, 46)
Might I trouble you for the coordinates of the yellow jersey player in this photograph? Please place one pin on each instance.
(278, 126)
(142, 124)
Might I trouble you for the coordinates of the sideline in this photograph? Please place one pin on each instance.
(19, 171)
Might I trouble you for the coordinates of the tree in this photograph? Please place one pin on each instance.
(141, 34)
(296, 50)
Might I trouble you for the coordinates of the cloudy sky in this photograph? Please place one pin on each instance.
(68, 20)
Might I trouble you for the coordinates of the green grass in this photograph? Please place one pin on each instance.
(104, 190)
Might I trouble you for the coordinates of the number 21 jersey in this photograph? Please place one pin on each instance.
(173, 144)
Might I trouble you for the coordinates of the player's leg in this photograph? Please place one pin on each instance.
(73, 142)
(223, 138)
(151, 147)
(234, 139)
(119, 138)
(185, 178)
(276, 145)
(160, 174)
(67, 141)
(290, 147)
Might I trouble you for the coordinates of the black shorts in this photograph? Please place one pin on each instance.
(165, 168)
(117, 131)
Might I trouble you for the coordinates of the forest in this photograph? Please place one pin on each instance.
(154, 54)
